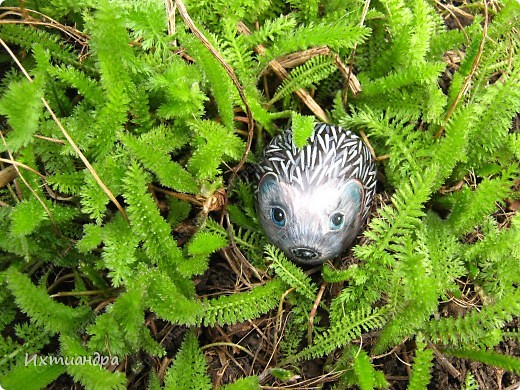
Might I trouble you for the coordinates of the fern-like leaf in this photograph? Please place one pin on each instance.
(220, 83)
(199, 248)
(364, 371)
(247, 383)
(119, 251)
(55, 317)
(204, 243)
(172, 297)
(121, 329)
(340, 333)
(290, 273)
(213, 142)
(180, 89)
(426, 73)
(27, 216)
(39, 376)
(152, 150)
(335, 276)
(471, 206)
(28, 38)
(86, 86)
(508, 363)
(92, 237)
(146, 221)
(89, 375)
(304, 76)
(272, 29)
(421, 368)
(22, 105)
(476, 327)
(188, 370)
(242, 306)
(114, 58)
(397, 219)
(302, 128)
(470, 383)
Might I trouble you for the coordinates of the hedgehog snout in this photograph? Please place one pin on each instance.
(304, 253)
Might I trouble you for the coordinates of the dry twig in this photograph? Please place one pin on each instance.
(443, 361)
(7, 175)
(282, 73)
(25, 16)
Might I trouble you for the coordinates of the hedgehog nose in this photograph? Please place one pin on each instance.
(304, 253)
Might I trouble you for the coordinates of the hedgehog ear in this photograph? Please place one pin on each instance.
(269, 182)
(354, 193)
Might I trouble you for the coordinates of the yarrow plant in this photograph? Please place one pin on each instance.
(129, 131)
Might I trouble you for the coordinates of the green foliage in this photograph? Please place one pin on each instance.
(417, 293)
(188, 371)
(113, 59)
(200, 247)
(90, 375)
(119, 253)
(18, 351)
(482, 200)
(496, 257)
(422, 365)
(247, 383)
(83, 83)
(22, 105)
(237, 307)
(31, 376)
(358, 370)
(342, 332)
(247, 237)
(220, 84)
(162, 124)
(335, 35)
(214, 141)
(27, 216)
(120, 330)
(146, 221)
(390, 235)
(290, 273)
(335, 276)
(205, 243)
(28, 38)
(509, 363)
(476, 328)
(364, 371)
(53, 316)
(302, 127)
(185, 311)
(92, 237)
(470, 383)
(178, 84)
(152, 150)
(305, 76)
(272, 30)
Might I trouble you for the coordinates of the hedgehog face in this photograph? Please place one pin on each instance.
(311, 225)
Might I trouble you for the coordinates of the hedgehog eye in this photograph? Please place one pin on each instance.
(336, 221)
(278, 216)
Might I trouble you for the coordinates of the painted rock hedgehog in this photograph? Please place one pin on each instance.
(313, 201)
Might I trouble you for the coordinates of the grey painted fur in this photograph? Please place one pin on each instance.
(312, 202)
